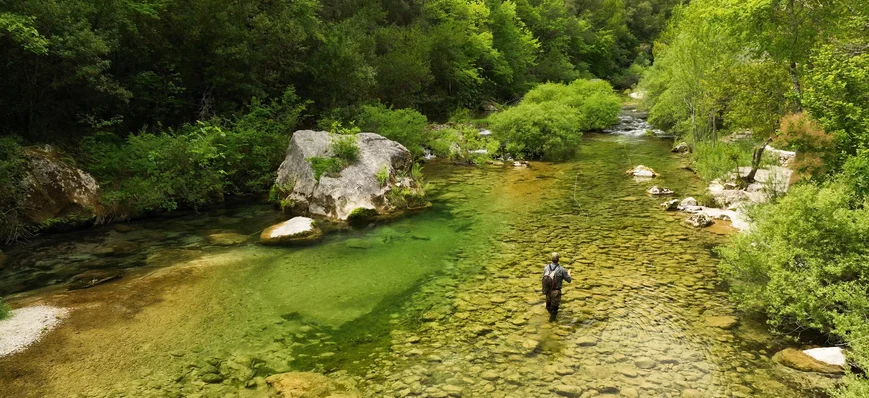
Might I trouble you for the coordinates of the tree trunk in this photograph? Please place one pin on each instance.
(798, 90)
(755, 159)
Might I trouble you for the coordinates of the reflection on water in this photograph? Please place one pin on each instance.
(440, 303)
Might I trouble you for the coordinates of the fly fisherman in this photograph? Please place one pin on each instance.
(553, 275)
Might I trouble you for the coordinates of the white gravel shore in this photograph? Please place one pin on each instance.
(25, 326)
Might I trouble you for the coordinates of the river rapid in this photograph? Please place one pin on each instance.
(440, 303)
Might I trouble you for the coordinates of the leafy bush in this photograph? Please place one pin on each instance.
(803, 264)
(461, 142)
(344, 147)
(719, 159)
(279, 193)
(194, 165)
(815, 148)
(383, 175)
(149, 172)
(405, 126)
(538, 129)
(323, 165)
(550, 119)
(13, 224)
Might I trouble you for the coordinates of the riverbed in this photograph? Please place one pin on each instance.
(443, 302)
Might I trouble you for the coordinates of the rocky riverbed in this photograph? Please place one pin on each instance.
(442, 303)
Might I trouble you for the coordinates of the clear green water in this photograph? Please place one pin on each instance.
(442, 302)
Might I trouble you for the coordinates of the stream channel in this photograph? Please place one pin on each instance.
(440, 303)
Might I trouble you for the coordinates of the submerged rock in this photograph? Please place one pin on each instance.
(642, 171)
(298, 230)
(57, 193)
(356, 186)
(308, 385)
(722, 322)
(799, 360)
(94, 277)
(227, 238)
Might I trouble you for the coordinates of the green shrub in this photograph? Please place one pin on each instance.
(405, 126)
(719, 159)
(803, 265)
(549, 130)
(344, 147)
(383, 175)
(13, 224)
(323, 165)
(4, 309)
(551, 118)
(194, 165)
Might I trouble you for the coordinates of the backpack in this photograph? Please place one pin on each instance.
(549, 279)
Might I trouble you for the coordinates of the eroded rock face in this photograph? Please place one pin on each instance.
(356, 186)
(57, 192)
(296, 231)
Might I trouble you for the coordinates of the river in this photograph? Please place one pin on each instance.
(439, 303)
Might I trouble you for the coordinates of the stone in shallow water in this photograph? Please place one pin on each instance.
(799, 360)
(94, 277)
(566, 390)
(298, 230)
(722, 322)
(586, 341)
(645, 363)
(227, 239)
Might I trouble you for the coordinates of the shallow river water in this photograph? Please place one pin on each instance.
(441, 303)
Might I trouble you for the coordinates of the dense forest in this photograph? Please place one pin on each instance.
(73, 67)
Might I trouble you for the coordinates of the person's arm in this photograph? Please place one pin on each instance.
(566, 275)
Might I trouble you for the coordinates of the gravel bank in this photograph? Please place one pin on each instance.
(26, 325)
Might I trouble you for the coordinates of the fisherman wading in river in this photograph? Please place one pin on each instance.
(553, 276)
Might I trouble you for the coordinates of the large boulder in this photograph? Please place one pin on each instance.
(296, 231)
(56, 192)
(380, 179)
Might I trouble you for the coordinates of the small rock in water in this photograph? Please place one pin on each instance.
(94, 277)
(645, 363)
(671, 205)
(656, 190)
(699, 220)
(722, 322)
(687, 202)
(642, 171)
(566, 390)
(298, 230)
(681, 147)
(586, 341)
(227, 239)
(799, 360)
(212, 378)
